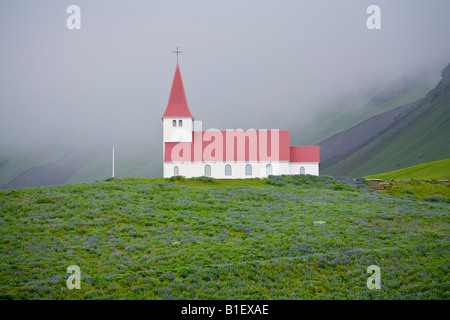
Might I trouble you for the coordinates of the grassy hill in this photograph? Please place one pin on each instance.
(434, 170)
(427, 181)
(286, 237)
(421, 135)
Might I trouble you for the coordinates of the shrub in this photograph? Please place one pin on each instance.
(408, 191)
(204, 179)
(310, 181)
(437, 199)
(177, 178)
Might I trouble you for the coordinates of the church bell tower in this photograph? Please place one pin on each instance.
(177, 118)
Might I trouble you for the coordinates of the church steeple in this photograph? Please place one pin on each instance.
(178, 123)
(177, 105)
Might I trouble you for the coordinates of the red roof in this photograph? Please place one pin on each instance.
(257, 147)
(177, 105)
(305, 154)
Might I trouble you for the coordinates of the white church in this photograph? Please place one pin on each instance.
(231, 154)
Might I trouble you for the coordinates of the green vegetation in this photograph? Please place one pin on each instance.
(417, 189)
(420, 181)
(221, 239)
(434, 170)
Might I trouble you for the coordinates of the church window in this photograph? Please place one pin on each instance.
(180, 123)
(248, 170)
(176, 171)
(268, 169)
(208, 170)
(228, 170)
(174, 123)
(302, 170)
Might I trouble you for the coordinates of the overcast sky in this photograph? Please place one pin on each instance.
(245, 64)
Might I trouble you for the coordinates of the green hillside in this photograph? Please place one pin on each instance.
(421, 136)
(427, 181)
(434, 170)
(286, 237)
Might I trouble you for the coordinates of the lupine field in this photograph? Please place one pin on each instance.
(285, 237)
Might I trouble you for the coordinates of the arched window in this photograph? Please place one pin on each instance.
(302, 170)
(208, 170)
(268, 169)
(176, 171)
(248, 170)
(228, 170)
(180, 123)
(174, 123)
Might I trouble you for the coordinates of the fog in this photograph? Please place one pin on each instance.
(245, 64)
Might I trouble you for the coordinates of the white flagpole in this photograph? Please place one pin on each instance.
(113, 163)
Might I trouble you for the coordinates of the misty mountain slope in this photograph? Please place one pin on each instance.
(340, 146)
(17, 161)
(57, 166)
(420, 136)
(3, 162)
(141, 161)
(53, 173)
(355, 109)
(130, 161)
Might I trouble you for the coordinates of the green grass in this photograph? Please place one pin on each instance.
(418, 181)
(221, 239)
(417, 189)
(434, 170)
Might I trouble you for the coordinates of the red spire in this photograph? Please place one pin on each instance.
(177, 105)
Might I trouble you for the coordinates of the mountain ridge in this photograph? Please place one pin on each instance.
(421, 135)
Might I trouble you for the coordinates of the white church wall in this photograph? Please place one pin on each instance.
(178, 134)
(311, 168)
(259, 169)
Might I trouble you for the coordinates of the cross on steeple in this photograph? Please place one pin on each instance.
(177, 52)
